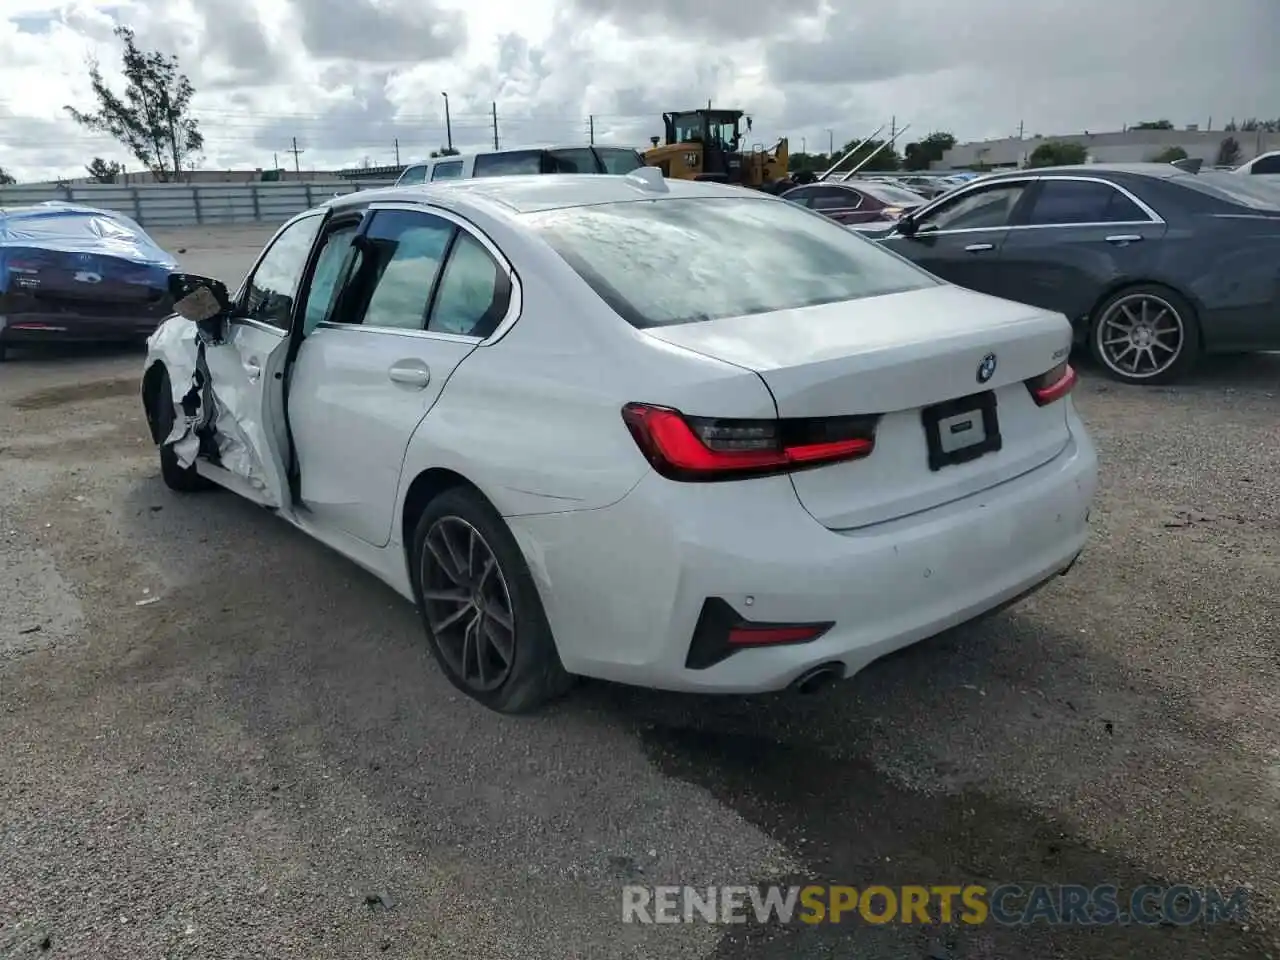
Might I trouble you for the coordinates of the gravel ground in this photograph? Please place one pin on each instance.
(219, 739)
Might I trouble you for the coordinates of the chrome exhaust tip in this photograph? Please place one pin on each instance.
(817, 678)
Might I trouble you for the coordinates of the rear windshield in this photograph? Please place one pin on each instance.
(1234, 188)
(671, 261)
(891, 194)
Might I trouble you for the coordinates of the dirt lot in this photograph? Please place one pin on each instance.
(219, 739)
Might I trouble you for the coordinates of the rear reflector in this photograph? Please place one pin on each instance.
(721, 632)
(1054, 385)
(706, 448)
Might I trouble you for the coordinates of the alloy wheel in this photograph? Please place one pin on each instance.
(1140, 336)
(467, 604)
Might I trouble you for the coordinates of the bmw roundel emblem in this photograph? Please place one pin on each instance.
(987, 368)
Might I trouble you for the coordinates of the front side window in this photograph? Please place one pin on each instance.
(402, 252)
(681, 260)
(474, 291)
(1065, 202)
(413, 175)
(273, 285)
(336, 261)
(446, 170)
(618, 160)
(508, 164)
(982, 209)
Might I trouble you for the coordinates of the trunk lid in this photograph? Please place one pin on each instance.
(898, 356)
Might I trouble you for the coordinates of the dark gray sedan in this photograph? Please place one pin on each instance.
(1153, 265)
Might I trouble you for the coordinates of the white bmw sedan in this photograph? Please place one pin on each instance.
(675, 434)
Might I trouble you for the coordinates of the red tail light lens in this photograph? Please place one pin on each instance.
(705, 448)
(1054, 385)
(763, 635)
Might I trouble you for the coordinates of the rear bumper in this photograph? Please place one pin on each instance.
(49, 327)
(624, 586)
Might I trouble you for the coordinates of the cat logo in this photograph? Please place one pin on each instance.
(691, 159)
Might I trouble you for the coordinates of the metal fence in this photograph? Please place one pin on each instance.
(176, 205)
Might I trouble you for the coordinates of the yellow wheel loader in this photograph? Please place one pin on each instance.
(709, 145)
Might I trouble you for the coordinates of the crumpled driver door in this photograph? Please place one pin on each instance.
(245, 374)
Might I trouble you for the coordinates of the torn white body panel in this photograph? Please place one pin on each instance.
(220, 394)
(174, 344)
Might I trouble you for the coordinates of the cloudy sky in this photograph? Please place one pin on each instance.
(348, 78)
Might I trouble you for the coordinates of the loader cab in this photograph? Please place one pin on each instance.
(702, 145)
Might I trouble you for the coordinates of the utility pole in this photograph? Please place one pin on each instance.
(275, 161)
(591, 130)
(397, 151)
(1021, 127)
(295, 151)
(831, 143)
(893, 129)
(804, 146)
(448, 126)
(495, 124)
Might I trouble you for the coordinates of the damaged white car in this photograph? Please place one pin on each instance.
(674, 434)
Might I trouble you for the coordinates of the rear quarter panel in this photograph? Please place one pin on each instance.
(534, 420)
(1230, 268)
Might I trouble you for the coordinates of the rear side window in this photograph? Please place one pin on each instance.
(1063, 202)
(447, 170)
(474, 291)
(1269, 164)
(403, 252)
(508, 164)
(571, 161)
(661, 262)
(413, 175)
(833, 198)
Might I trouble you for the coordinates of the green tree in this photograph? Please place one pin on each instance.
(817, 162)
(886, 159)
(6, 177)
(1153, 125)
(1057, 153)
(930, 150)
(1228, 152)
(104, 171)
(153, 116)
(1169, 155)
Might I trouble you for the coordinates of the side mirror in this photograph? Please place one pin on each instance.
(202, 300)
(906, 226)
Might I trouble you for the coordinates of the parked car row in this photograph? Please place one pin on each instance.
(1154, 265)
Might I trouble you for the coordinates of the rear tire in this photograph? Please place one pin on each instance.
(480, 608)
(176, 477)
(1145, 334)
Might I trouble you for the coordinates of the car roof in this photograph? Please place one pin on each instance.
(486, 153)
(1163, 171)
(530, 193)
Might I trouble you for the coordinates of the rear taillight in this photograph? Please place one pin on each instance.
(1051, 386)
(706, 448)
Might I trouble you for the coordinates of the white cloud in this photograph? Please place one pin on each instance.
(348, 78)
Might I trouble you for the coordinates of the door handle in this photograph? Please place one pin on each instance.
(252, 368)
(1125, 238)
(410, 373)
(980, 247)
